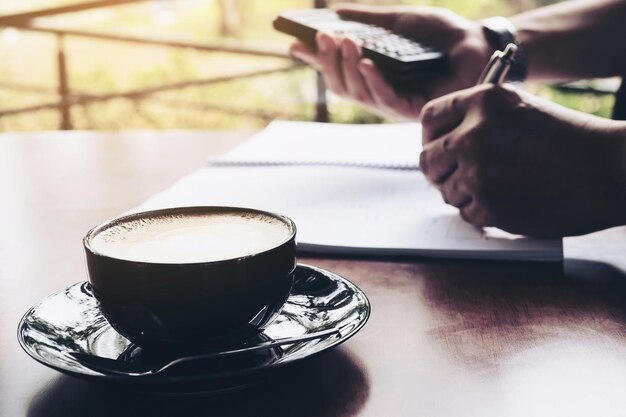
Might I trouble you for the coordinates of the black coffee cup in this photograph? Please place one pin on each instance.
(153, 290)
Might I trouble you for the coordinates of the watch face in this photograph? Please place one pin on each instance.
(499, 32)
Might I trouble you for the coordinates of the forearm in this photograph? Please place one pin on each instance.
(575, 39)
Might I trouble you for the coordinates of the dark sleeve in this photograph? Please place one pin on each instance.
(619, 111)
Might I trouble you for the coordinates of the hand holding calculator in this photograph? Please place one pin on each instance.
(402, 60)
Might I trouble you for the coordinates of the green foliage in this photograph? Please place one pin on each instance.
(600, 105)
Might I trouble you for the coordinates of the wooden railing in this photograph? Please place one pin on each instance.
(69, 97)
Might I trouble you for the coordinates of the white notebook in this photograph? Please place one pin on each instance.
(394, 146)
(351, 189)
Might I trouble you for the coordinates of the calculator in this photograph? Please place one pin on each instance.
(402, 61)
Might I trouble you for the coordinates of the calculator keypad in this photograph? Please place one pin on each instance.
(385, 42)
(404, 62)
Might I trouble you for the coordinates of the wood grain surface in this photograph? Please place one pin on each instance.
(446, 338)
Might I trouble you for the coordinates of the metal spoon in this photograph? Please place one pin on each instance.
(112, 366)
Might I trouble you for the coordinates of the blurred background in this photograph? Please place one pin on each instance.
(182, 64)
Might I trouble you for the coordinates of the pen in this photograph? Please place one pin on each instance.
(498, 66)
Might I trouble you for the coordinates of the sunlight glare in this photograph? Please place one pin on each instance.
(10, 36)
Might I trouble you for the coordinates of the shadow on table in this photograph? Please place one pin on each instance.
(333, 384)
(486, 312)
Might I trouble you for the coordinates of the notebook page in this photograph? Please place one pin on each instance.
(352, 210)
(396, 145)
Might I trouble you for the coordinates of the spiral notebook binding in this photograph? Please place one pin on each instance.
(221, 162)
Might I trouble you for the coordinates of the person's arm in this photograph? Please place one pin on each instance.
(574, 39)
(511, 160)
(570, 40)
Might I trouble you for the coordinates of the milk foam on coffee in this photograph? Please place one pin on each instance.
(191, 238)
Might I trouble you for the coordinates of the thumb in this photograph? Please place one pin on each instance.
(445, 113)
(379, 16)
(432, 25)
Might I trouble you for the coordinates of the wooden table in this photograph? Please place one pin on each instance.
(445, 338)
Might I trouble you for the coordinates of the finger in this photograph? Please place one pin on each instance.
(445, 113)
(302, 52)
(438, 161)
(476, 214)
(329, 61)
(354, 82)
(442, 115)
(379, 16)
(385, 97)
(455, 190)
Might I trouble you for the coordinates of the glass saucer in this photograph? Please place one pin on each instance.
(70, 321)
